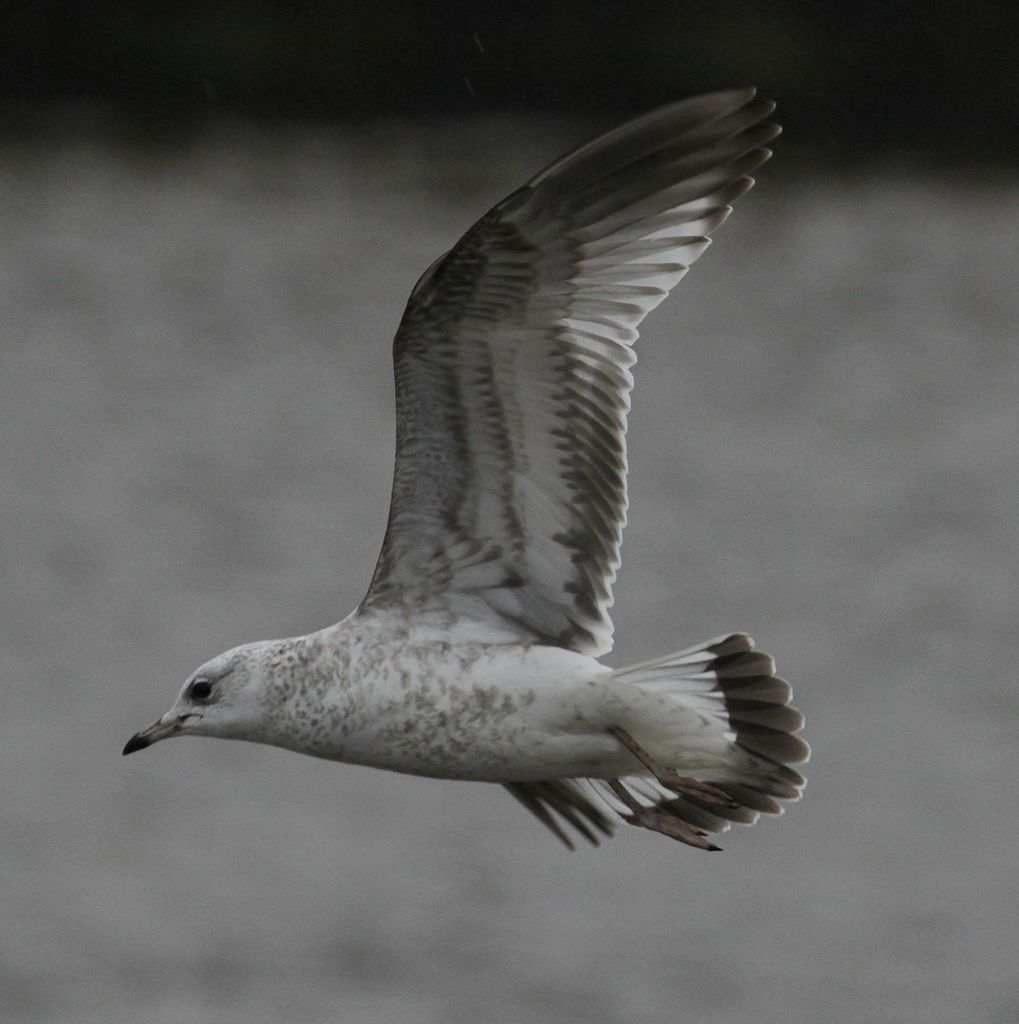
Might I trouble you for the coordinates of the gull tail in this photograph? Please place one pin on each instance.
(717, 747)
(712, 734)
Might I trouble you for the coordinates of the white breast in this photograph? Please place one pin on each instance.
(477, 711)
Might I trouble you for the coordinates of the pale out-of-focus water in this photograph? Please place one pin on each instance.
(197, 427)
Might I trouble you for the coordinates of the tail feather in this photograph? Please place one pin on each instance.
(751, 796)
(732, 688)
(711, 818)
(756, 702)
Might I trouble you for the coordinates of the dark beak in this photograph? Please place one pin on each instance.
(139, 741)
(153, 734)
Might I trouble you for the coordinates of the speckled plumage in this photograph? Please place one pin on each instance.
(474, 653)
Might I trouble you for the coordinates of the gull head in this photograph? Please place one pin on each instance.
(225, 697)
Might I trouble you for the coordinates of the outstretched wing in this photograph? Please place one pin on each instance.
(512, 367)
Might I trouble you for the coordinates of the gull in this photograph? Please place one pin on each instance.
(475, 653)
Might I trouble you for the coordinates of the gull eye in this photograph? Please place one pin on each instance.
(201, 690)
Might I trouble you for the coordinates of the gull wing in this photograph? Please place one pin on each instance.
(512, 367)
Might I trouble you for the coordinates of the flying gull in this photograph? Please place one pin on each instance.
(474, 654)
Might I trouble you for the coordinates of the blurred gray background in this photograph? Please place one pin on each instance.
(196, 412)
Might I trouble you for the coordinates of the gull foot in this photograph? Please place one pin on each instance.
(658, 821)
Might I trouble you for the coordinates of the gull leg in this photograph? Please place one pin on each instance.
(669, 777)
